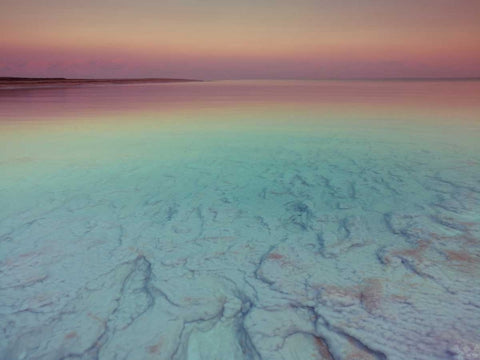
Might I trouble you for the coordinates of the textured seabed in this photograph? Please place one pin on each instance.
(240, 242)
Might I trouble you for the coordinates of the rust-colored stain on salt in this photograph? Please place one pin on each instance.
(322, 348)
(275, 256)
(461, 256)
(371, 295)
(463, 261)
(415, 253)
(96, 318)
(153, 349)
(359, 355)
(71, 335)
(156, 347)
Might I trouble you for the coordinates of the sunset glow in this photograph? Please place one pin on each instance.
(226, 39)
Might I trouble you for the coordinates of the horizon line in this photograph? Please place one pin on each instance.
(406, 78)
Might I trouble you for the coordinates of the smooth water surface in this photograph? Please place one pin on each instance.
(241, 220)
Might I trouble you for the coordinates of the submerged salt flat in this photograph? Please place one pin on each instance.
(241, 220)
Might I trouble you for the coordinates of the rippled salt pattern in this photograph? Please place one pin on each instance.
(216, 239)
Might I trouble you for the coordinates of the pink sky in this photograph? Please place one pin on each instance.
(213, 39)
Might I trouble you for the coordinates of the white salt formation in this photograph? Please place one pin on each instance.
(309, 240)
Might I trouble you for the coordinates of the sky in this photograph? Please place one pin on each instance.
(241, 39)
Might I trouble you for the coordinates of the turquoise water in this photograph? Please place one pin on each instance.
(241, 220)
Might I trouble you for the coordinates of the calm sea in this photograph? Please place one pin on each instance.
(241, 220)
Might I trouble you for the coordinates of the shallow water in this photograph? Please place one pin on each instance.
(241, 220)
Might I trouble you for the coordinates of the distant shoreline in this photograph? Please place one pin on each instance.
(12, 82)
(20, 82)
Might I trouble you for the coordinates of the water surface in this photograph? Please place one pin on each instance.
(241, 220)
